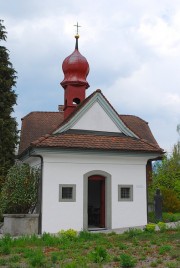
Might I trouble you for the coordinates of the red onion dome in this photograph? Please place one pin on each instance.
(75, 68)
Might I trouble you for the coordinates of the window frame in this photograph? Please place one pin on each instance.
(121, 199)
(73, 199)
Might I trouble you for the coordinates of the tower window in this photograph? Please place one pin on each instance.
(76, 101)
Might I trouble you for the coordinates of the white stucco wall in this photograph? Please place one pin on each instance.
(69, 168)
(90, 120)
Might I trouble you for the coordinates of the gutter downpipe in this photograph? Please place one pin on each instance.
(39, 192)
(147, 194)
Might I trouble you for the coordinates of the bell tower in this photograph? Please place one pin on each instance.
(76, 69)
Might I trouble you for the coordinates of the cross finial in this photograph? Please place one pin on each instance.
(77, 25)
(77, 35)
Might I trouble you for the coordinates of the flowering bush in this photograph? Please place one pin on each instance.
(20, 190)
(150, 227)
(70, 233)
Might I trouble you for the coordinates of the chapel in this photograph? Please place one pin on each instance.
(95, 163)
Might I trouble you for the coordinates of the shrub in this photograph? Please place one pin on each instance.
(162, 226)
(127, 260)
(20, 190)
(170, 217)
(150, 227)
(70, 234)
(171, 203)
(167, 217)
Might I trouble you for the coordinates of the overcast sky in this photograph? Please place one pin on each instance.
(132, 46)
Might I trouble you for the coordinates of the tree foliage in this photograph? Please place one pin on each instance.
(166, 177)
(20, 190)
(8, 125)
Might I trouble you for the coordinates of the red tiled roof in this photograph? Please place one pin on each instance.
(96, 142)
(139, 127)
(37, 124)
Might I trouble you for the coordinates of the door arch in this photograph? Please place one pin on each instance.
(103, 180)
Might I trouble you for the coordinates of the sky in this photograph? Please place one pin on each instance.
(132, 46)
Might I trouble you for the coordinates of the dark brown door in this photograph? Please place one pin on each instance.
(96, 210)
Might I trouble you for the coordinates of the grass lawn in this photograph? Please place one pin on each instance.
(134, 248)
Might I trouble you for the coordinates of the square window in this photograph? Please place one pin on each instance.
(67, 193)
(125, 192)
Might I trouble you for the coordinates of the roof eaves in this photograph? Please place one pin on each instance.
(153, 145)
(99, 149)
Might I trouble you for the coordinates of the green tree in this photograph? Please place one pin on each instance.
(8, 125)
(19, 193)
(166, 177)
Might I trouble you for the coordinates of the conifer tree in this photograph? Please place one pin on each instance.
(8, 125)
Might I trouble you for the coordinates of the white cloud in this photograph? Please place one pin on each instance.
(163, 37)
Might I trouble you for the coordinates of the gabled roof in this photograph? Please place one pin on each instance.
(111, 114)
(48, 129)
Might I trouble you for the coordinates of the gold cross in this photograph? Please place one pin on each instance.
(76, 25)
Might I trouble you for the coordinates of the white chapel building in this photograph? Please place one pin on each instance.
(95, 163)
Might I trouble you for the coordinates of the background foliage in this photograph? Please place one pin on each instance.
(8, 125)
(166, 177)
(20, 191)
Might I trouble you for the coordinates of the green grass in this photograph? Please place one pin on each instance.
(134, 248)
